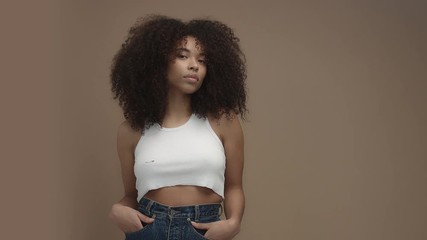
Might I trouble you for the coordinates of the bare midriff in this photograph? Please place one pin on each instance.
(183, 196)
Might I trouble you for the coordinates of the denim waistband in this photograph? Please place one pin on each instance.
(193, 211)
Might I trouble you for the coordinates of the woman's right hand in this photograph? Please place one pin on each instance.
(127, 218)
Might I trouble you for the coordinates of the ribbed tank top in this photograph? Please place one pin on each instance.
(191, 154)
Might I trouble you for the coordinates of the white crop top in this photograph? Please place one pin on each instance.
(191, 154)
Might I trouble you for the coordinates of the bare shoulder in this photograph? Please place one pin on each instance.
(127, 135)
(226, 126)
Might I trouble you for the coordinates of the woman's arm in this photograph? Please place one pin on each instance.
(123, 213)
(231, 135)
(234, 200)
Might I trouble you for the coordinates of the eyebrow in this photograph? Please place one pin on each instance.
(187, 50)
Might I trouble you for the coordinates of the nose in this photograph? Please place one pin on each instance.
(193, 65)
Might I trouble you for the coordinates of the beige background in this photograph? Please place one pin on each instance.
(336, 142)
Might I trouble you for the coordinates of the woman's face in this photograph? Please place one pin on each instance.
(187, 69)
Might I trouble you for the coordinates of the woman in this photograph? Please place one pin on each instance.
(182, 89)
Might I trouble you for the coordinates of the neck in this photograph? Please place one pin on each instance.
(179, 106)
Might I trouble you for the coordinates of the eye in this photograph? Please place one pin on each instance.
(182, 56)
(203, 61)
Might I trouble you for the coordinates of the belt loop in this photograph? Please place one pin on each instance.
(148, 207)
(197, 213)
(220, 210)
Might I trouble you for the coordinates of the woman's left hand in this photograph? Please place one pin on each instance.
(220, 230)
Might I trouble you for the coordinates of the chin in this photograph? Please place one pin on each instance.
(190, 90)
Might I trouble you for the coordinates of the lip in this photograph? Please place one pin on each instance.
(192, 77)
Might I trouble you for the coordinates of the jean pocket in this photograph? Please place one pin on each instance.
(138, 234)
(195, 234)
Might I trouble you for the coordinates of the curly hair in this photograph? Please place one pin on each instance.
(139, 69)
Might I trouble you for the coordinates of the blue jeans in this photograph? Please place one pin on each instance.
(173, 223)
